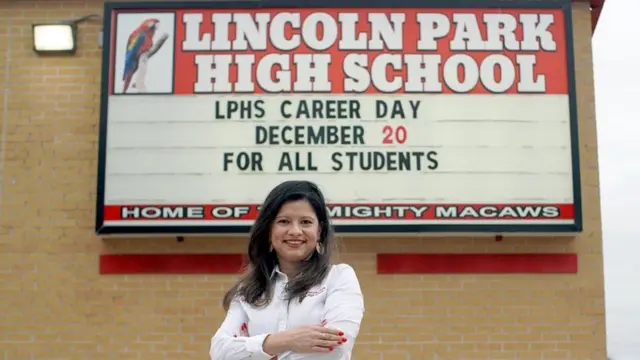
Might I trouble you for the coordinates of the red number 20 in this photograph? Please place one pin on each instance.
(393, 135)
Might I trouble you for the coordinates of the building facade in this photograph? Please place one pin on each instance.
(66, 299)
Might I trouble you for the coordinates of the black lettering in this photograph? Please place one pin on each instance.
(303, 110)
(358, 135)
(244, 109)
(243, 161)
(226, 160)
(335, 157)
(309, 135)
(414, 108)
(273, 135)
(354, 109)
(433, 161)
(381, 109)
(315, 136)
(352, 160)
(232, 107)
(297, 161)
(261, 135)
(259, 108)
(256, 161)
(285, 161)
(385, 161)
(283, 111)
(318, 108)
(219, 114)
(332, 134)
(321, 109)
(398, 110)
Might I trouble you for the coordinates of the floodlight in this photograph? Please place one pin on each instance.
(55, 38)
(58, 37)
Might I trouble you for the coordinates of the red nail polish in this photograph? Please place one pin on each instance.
(340, 333)
(344, 340)
(330, 349)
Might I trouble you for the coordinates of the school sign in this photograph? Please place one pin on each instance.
(412, 118)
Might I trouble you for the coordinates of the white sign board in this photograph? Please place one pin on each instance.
(459, 118)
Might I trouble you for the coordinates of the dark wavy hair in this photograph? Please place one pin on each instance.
(256, 285)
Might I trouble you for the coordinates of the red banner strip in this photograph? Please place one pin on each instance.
(389, 212)
(476, 263)
(171, 263)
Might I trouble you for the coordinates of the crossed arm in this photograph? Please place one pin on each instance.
(344, 309)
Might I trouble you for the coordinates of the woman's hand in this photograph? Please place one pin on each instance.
(312, 339)
(306, 339)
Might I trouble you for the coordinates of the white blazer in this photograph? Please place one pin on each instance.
(338, 300)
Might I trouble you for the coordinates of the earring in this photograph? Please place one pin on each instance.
(270, 248)
(319, 248)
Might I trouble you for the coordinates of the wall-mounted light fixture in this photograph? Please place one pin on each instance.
(59, 37)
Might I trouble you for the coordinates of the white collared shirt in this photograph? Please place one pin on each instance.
(338, 300)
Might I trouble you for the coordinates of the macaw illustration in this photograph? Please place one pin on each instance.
(140, 47)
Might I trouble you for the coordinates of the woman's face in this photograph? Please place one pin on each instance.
(295, 231)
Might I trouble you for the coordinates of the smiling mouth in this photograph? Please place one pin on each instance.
(294, 243)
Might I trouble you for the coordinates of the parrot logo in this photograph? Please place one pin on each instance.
(140, 48)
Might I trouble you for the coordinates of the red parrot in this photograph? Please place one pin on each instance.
(140, 41)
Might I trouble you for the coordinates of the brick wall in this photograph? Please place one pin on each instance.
(56, 305)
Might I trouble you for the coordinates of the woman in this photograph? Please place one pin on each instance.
(293, 304)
